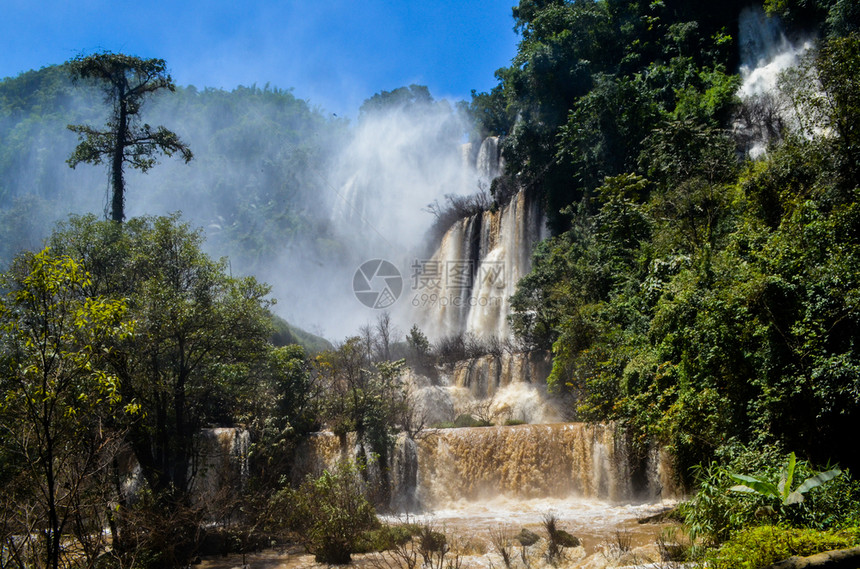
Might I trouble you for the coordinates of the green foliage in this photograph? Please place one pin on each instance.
(838, 18)
(591, 79)
(281, 410)
(365, 394)
(467, 420)
(837, 66)
(332, 512)
(126, 81)
(254, 181)
(605, 128)
(783, 490)
(490, 113)
(58, 399)
(199, 333)
(155, 536)
(419, 355)
(712, 515)
(718, 511)
(385, 537)
(418, 341)
(694, 298)
(412, 99)
(285, 334)
(759, 547)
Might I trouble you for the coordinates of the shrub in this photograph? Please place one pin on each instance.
(514, 422)
(385, 538)
(419, 547)
(467, 420)
(157, 532)
(783, 492)
(332, 511)
(762, 546)
(715, 513)
(455, 208)
(503, 542)
(557, 538)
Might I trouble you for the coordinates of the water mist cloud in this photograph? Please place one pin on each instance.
(292, 195)
(382, 178)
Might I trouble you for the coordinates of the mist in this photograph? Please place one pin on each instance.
(286, 192)
(383, 175)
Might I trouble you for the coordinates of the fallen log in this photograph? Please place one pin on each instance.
(836, 559)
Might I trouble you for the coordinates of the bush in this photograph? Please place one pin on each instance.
(762, 546)
(715, 513)
(467, 420)
(419, 547)
(331, 513)
(557, 538)
(459, 347)
(454, 209)
(157, 532)
(385, 538)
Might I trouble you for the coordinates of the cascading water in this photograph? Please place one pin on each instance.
(765, 52)
(218, 471)
(516, 463)
(479, 262)
(222, 463)
(489, 163)
(524, 462)
(501, 387)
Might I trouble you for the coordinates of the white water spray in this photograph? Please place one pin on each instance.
(766, 52)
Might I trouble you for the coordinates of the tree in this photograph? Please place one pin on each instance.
(56, 403)
(286, 411)
(199, 330)
(128, 80)
(201, 336)
(837, 70)
(414, 98)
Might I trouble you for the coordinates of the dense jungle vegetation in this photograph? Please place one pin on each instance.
(694, 296)
(702, 298)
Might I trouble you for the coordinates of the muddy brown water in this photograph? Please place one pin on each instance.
(611, 535)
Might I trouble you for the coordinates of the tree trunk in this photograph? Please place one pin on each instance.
(117, 209)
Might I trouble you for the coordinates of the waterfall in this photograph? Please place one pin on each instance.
(529, 461)
(219, 469)
(478, 263)
(404, 475)
(464, 283)
(221, 464)
(523, 462)
(498, 387)
(508, 239)
(489, 163)
(765, 53)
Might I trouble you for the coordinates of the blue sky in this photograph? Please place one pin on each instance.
(334, 53)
